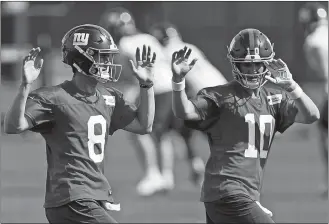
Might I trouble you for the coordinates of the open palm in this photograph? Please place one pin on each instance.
(179, 64)
(144, 69)
(279, 73)
(32, 66)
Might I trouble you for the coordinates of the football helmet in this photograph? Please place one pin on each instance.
(118, 21)
(250, 46)
(90, 50)
(164, 31)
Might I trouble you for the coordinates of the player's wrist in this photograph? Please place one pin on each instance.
(291, 86)
(146, 85)
(178, 86)
(26, 84)
(177, 78)
(294, 91)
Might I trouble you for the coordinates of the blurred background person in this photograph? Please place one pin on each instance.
(204, 74)
(121, 22)
(313, 17)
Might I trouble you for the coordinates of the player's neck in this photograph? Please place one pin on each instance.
(86, 85)
(254, 93)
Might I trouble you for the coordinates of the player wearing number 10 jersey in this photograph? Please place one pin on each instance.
(75, 119)
(240, 119)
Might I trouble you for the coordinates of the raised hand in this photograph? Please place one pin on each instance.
(144, 69)
(179, 64)
(280, 73)
(32, 66)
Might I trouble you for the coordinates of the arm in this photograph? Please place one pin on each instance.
(183, 108)
(307, 110)
(143, 122)
(15, 120)
(140, 121)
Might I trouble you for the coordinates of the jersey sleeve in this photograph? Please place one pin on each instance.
(287, 113)
(207, 107)
(38, 110)
(124, 113)
(206, 104)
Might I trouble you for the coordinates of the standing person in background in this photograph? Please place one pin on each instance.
(168, 35)
(313, 17)
(120, 22)
(204, 74)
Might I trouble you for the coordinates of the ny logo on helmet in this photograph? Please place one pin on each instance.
(80, 38)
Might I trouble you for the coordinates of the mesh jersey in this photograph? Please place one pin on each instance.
(202, 75)
(76, 133)
(162, 68)
(240, 132)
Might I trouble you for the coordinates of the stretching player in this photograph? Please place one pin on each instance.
(313, 17)
(240, 119)
(75, 119)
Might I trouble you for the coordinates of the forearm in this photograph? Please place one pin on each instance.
(181, 105)
(307, 110)
(15, 121)
(146, 109)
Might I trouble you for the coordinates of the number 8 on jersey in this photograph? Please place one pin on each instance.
(96, 139)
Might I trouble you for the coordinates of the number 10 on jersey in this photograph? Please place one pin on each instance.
(251, 151)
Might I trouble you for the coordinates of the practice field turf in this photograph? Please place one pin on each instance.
(291, 189)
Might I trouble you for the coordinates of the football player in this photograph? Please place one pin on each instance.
(240, 119)
(76, 117)
(169, 36)
(121, 23)
(313, 17)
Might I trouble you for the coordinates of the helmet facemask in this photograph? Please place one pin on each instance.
(102, 66)
(249, 80)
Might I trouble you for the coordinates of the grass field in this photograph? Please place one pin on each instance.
(291, 187)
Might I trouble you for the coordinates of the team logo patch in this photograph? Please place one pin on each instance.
(109, 100)
(80, 39)
(274, 99)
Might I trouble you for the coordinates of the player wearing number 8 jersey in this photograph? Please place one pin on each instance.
(240, 119)
(68, 119)
(75, 119)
